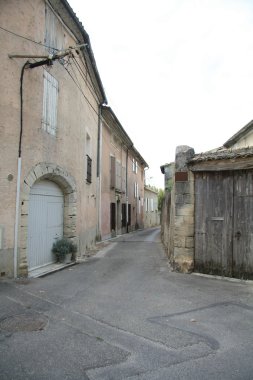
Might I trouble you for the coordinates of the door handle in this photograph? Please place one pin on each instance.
(238, 235)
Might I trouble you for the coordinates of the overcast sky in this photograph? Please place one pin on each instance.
(175, 72)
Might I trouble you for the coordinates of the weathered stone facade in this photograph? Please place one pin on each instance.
(179, 221)
(60, 154)
(122, 179)
(207, 218)
(152, 215)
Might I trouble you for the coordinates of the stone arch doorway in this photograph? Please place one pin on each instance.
(46, 173)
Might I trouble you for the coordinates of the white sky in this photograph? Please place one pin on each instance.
(175, 72)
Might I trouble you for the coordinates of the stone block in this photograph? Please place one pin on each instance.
(24, 207)
(179, 221)
(189, 242)
(185, 210)
(30, 179)
(179, 241)
(26, 188)
(182, 188)
(38, 171)
(188, 220)
(184, 230)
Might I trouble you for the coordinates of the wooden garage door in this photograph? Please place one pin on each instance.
(45, 222)
(224, 223)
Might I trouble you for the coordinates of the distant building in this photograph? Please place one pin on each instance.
(152, 215)
(122, 179)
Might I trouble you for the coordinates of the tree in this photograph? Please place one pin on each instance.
(161, 196)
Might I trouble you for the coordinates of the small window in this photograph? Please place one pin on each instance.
(135, 166)
(89, 169)
(136, 190)
(118, 175)
(113, 172)
(133, 163)
(124, 215)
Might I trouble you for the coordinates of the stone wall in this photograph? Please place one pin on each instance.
(178, 222)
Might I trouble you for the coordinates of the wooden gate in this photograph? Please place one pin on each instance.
(224, 223)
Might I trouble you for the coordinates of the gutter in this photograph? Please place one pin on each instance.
(58, 6)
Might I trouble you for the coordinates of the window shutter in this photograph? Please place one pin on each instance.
(50, 101)
(118, 176)
(113, 172)
(89, 169)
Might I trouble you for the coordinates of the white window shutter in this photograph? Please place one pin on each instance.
(50, 102)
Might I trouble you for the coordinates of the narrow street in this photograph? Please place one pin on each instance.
(123, 314)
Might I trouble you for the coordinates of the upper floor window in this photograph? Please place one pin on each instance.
(89, 169)
(88, 159)
(113, 172)
(135, 166)
(136, 190)
(50, 101)
(54, 31)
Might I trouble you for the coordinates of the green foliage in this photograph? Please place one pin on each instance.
(169, 185)
(161, 196)
(62, 247)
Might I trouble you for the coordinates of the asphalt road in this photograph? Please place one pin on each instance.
(123, 314)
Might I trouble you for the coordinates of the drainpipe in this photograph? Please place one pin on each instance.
(99, 164)
(15, 254)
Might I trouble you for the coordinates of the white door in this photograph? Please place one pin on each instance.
(45, 222)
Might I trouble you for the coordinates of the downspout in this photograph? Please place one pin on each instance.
(99, 163)
(15, 254)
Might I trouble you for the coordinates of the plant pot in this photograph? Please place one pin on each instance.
(68, 258)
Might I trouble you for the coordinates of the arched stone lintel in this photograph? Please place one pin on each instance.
(67, 183)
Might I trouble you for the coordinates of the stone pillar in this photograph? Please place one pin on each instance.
(183, 193)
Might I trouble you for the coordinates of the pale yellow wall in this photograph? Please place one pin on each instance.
(151, 217)
(75, 119)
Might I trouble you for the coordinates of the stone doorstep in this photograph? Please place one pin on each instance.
(48, 269)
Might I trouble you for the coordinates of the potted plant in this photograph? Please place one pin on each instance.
(63, 249)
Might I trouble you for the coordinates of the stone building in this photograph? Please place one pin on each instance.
(50, 117)
(122, 179)
(210, 215)
(152, 215)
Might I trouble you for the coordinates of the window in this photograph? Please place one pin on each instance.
(88, 165)
(54, 31)
(113, 172)
(129, 215)
(152, 204)
(89, 169)
(147, 208)
(118, 175)
(50, 101)
(136, 190)
(135, 166)
(124, 215)
(113, 216)
(123, 180)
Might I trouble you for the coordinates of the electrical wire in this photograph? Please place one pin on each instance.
(79, 87)
(28, 39)
(83, 74)
(75, 61)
